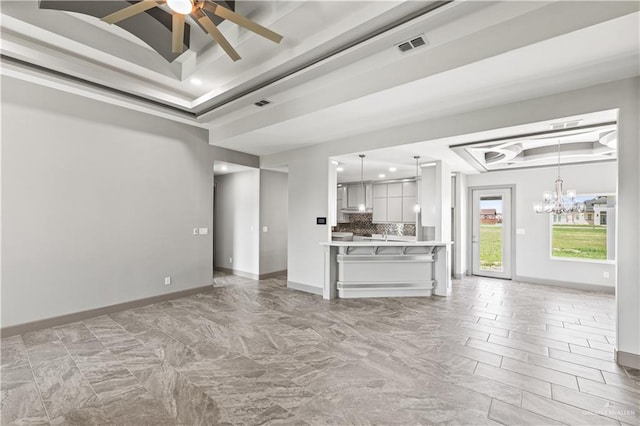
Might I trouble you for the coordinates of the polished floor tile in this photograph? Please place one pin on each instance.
(254, 352)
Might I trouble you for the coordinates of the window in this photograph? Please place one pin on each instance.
(588, 235)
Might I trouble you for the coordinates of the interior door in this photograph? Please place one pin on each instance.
(491, 232)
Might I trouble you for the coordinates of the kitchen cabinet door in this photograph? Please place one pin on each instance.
(342, 204)
(379, 210)
(394, 209)
(408, 215)
(408, 189)
(394, 189)
(354, 196)
(380, 190)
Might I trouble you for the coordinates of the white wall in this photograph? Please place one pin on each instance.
(308, 177)
(461, 201)
(533, 261)
(238, 222)
(273, 215)
(99, 203)
(308, 199)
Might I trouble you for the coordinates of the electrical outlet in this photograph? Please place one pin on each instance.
(195, 231)
(605, 274)
(203, 231)
(265, 229)
(167, 280)
(231, 260)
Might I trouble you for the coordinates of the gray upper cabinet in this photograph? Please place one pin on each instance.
(394, 189)
(394, 209)
(379, 210)
(408, 214)
(393, 202)
(409, 189)
(355, 195)
(342, 217)
(379, 191)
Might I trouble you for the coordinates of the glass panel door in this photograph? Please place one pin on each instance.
(491, 233)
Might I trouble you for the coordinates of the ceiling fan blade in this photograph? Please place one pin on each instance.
(230, 15)
(214, 32)
(130, 11)
(177, 32)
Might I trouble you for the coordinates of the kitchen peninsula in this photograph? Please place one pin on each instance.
(386, 269)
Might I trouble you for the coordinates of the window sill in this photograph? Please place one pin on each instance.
(596, 261)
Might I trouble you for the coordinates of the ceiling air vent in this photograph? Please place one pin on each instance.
(262, 103)
(413, 43)
(565, 124)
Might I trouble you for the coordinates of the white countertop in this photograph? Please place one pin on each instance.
(373, 243)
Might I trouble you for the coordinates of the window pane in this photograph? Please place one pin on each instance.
(584, 235)
(491, 234)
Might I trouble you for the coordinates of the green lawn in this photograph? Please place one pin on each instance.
(576, 241)
(491, 247)
(580, 241)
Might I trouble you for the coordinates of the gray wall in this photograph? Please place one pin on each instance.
(273, 215)
(237, 222)
(533, 259)
(99, 203)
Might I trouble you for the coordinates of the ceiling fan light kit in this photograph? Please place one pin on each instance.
(197, 9)
(183, 7)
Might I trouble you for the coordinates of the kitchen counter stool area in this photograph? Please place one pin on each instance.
(355, 269)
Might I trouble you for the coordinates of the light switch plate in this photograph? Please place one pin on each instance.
(521, 231)
(195, 231)
(203, 231)
(265, 229)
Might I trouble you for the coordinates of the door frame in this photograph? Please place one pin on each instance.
(512, 253)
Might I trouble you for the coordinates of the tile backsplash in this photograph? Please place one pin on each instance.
(362, 224)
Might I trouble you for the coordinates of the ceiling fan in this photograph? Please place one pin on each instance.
(196, 9)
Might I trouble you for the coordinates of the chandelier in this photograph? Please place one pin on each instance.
(557, 202)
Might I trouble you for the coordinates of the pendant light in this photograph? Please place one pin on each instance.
(557, 202)
(363, 206)
(416, 206)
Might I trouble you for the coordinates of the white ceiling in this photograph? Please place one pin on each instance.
(474, 59)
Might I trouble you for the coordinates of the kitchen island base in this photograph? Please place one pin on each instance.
(386, 269)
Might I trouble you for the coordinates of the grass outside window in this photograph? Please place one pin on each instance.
(491, 247)
(579, 241)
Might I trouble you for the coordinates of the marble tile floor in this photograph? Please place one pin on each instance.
(249, 352)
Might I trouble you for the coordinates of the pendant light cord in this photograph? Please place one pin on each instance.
(364, 189)
(558, 158)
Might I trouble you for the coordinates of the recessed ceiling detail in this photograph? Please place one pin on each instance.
(198, 10)
(577, 145)
(171, 37)
(153, 27)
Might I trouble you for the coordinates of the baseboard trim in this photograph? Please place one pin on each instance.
(273, 274)
(627, 359)
(567, 284)
(304, 287)
(14, 330)
(458, 276)
(238, 273)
